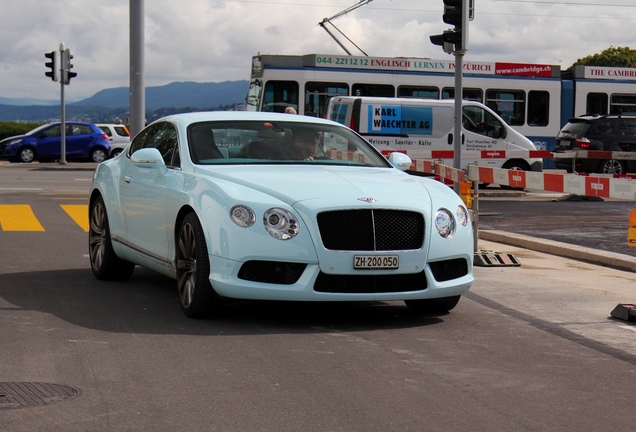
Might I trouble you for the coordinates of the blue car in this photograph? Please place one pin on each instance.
(266, 206)
(84, 141)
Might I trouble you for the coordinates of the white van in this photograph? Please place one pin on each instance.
(417, 126)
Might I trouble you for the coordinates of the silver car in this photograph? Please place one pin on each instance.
(118, 137)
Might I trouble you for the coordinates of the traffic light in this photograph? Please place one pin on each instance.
(52, 65)
(457, 13)
(67, 66)
(441, 40)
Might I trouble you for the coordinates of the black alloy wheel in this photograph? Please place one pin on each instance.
(105, 264)
(197, 297)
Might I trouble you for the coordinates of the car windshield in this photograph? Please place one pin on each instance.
(259, 142)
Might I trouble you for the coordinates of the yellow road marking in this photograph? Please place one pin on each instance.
(79, 213)
(18, 217)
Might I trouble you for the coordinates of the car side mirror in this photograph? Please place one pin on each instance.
(400, 161)
(148, 158)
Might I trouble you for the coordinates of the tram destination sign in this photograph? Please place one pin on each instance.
(410, 64)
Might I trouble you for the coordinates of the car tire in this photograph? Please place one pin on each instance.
(196, 295)
(611, 166)
(115, 153)
(105, 264)
(98, 155)
(433, 306)
(26, 155)
(514, 165)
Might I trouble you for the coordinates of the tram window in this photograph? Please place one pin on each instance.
(317, 95)
(279, 95)
(596, 103)
(472, 94)
(381, 90)
(509, 104)
(623, 104)
(538, 108)
(418, 92)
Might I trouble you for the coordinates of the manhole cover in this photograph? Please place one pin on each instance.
(34, 394)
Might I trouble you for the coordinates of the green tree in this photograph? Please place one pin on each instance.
(612, 56)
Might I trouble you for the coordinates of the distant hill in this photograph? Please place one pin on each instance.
(27, 101)
(108, 104)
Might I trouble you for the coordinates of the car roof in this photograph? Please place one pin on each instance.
(196, 117)
(592, 117)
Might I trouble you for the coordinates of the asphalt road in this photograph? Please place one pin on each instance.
(593, 223)
(529, 348)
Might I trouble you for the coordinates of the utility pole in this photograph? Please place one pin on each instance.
(137, 87)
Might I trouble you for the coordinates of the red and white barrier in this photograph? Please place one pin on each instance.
(527, 154)
(589, 185)
(593, 185)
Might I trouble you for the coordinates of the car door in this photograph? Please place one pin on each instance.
(483, 131)
(627, 132)
(143, 191)
(48, 144)
(78, 140)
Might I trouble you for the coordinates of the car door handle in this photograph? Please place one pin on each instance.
(127, 179)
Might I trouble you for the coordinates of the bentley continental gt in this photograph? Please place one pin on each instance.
(268, 206)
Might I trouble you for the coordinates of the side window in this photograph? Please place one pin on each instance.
(538, 108)
(418, 92)
(473, 94)
(140, 139)
(121, 131)
(480, 121)
(317, 95)
(84, 130)
(630, 127)
(279, 95)
(596, 103)
(106, 130)
(163, 137)
(381, 90)
(53, 132)
(510, 105)
(623, 104)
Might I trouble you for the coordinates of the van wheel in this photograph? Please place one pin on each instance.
(517, 165)
(611, 166)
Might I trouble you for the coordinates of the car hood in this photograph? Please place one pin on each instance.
(11, 138)
(337, 186)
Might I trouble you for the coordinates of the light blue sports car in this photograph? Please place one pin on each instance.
(270, 206)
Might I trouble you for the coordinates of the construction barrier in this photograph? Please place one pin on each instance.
(597, 185)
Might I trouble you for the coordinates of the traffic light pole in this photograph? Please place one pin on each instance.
(62, 109)
(457, 136)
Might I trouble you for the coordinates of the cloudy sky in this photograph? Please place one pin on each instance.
(213, 40)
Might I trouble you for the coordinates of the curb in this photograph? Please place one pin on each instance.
(593, 256)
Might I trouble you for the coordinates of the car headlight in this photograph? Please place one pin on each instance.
(281, 224)
(445, 223)
(462, 215)
(243, 216)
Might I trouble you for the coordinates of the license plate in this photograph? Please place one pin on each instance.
(371, 262)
